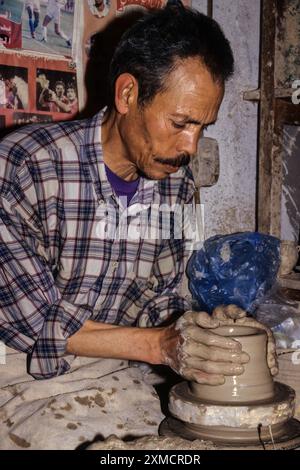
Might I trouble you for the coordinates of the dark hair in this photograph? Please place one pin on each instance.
(59, 82)
(150, 48)
(71, 85)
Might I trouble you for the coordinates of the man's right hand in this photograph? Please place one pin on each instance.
(193, 350)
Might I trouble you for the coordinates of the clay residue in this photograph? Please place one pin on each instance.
(51, 402)
(84, 401)
(150, 423)
(19, 441)
(13, 390)
(115, 378)
(99, 400)
(58, 416)
(67, 407)
(71, 426)
(9, 423)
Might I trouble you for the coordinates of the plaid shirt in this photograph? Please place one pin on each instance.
(55, 270)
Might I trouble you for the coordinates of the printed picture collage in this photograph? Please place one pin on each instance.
(39, 59)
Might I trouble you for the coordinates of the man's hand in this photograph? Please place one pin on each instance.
(231, 314)
(191, 349)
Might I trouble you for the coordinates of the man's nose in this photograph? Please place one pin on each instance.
(189, 143)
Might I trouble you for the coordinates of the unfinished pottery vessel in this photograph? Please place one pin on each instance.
(255, 384)
(289, 252)
(247, 410)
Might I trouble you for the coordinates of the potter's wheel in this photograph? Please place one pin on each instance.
(171, 427)
(261, 424)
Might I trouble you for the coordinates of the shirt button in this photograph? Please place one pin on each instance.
(101, 202)
(115, 265)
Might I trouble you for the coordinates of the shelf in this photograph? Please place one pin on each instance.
(254, 95)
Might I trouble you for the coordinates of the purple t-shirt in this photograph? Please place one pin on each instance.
(120, 186)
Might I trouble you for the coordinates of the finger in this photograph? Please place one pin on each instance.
(192, 349)
(228, 313)
(190, 318)
(205, 320)
(197, 363)
(220, 368)
(194, 375)
(235, 312)
(186, 319)
(208, 338)
(271, 345)
(214, 356)
(219, 313)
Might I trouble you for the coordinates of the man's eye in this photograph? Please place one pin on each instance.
(178, 125)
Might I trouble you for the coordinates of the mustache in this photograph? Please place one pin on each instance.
(180, 160)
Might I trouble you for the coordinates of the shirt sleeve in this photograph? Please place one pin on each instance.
(34, 317)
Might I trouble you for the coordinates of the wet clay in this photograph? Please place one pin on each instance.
(255, 384)
(245, 410)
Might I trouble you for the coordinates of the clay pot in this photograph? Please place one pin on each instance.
(289, 252)
(255, 384)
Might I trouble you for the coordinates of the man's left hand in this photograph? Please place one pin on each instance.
(233, 315)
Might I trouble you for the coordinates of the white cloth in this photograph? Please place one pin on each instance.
(98, 397)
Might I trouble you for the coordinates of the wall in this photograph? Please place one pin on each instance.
(230, 204)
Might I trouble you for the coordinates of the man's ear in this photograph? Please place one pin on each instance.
(126, 92)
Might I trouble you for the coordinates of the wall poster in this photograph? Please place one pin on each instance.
(36, 89)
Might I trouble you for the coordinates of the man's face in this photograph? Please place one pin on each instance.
(59, 90)
(71, 94)
(99, 4)
(163, 135)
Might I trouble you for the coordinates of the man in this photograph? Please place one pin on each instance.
(54, 13)
(53, 101)
(72, 99)
(33, 9)
(99, 8)
(69, 285)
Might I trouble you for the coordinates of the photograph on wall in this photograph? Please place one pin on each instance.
(47, 26)
(56, 92)
(42, 90)
(11, 23)
(20, 119)
(121, 5)
(13, 87)
(99, 8)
